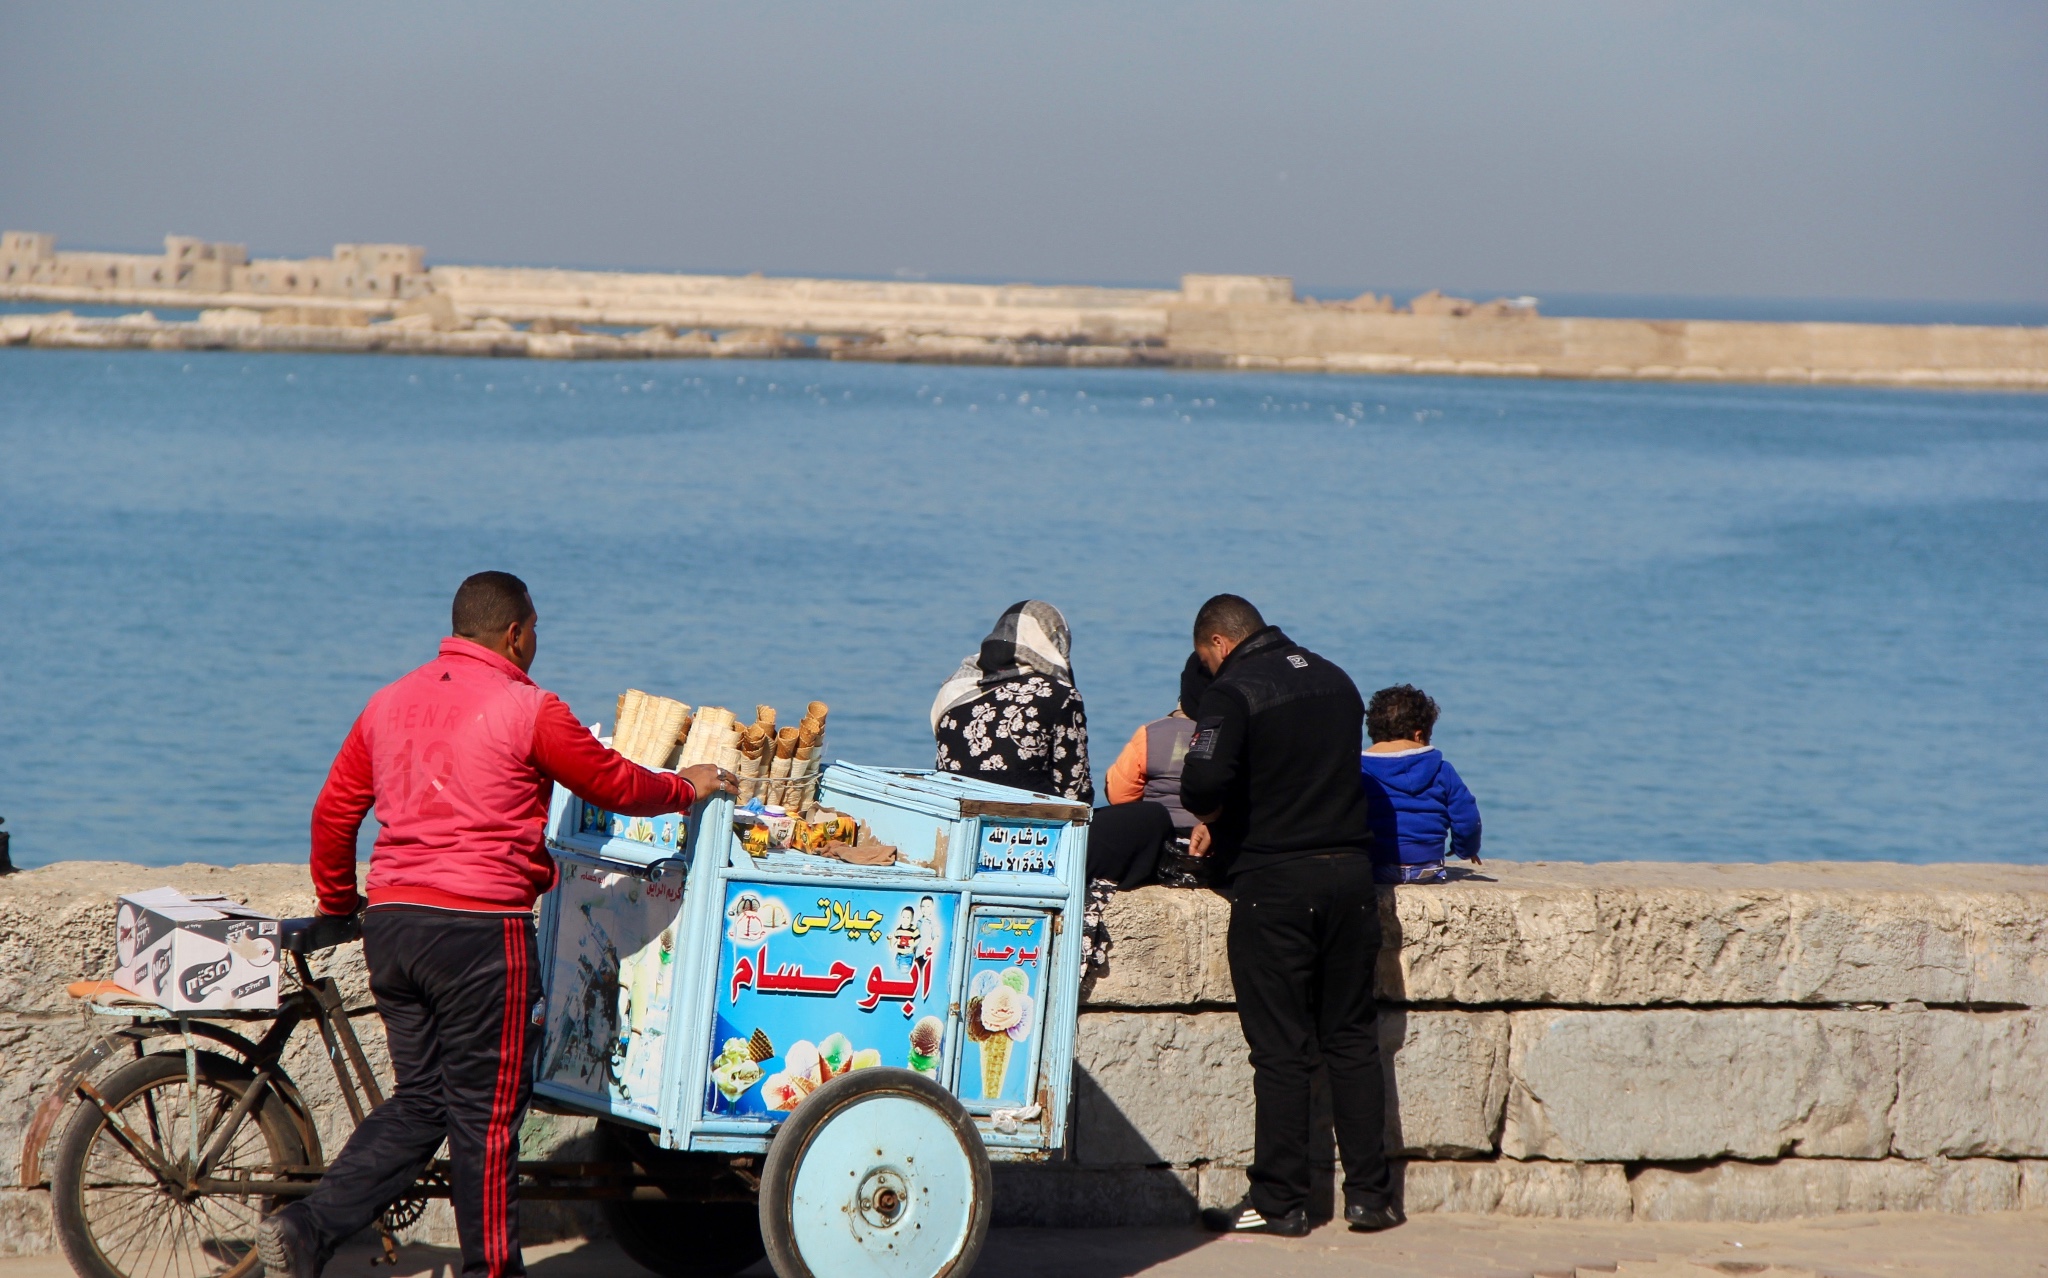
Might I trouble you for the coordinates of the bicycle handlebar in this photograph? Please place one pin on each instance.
(320, 932)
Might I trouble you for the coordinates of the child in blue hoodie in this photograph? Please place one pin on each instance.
(1414, 795)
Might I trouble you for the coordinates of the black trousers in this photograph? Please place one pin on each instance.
(1304, 939)
(1125, 840)
(457, 992)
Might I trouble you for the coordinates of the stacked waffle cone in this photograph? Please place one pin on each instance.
(776, 766)
(755, 760)
(778, 769)
(710, 733)
(649, 728)
(800, 790)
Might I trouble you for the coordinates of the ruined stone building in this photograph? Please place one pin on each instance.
(374, 272)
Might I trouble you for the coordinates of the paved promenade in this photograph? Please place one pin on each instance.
(1895, 1245)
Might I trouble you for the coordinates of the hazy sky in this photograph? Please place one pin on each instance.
(1768, 149)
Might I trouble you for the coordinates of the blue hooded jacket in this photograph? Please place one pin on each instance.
(1416, 798)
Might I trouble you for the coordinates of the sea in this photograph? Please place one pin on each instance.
(1721, 623)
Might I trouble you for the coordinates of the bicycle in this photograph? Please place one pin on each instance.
(169, 1161)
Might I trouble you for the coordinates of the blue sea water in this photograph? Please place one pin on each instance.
(1723, 623)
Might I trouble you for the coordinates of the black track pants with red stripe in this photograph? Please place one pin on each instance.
(457, 994)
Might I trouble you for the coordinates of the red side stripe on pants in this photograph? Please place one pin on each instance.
(499, 1136)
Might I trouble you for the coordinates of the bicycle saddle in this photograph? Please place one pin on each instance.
(321, 932)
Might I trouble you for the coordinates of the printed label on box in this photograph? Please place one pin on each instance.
(195, 954)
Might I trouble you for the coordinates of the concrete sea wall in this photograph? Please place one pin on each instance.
(383, 298)
(1618, 1041)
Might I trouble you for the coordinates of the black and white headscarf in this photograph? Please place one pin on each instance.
(1029, 638)
(1012, 715)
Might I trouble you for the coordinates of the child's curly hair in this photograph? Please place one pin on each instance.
(1399, 713)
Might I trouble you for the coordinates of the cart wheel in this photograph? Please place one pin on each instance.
(118, 1218)
(689, 1234)
(878, 1174)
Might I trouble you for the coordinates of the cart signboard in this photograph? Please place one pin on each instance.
(1018, 847)
(815, 982)
(1006, 961)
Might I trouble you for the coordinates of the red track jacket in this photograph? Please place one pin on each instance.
(457, 758)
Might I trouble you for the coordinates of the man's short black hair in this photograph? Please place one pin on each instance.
(1231, 616)
(1400, 713)
(487, 602)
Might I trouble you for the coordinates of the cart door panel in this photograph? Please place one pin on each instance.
(1002, 1017)
(814, 981)
(610, 990)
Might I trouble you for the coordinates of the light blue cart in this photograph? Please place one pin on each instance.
(833, 1051)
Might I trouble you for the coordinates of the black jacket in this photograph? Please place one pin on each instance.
(1276, 746)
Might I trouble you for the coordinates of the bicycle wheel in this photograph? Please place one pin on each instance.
(680, 1236)
(118, 1218)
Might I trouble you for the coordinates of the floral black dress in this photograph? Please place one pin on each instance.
(1028, 731)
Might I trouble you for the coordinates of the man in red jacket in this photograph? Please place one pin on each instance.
(458, 759)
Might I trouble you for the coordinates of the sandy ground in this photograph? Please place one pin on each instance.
(2004, 1245)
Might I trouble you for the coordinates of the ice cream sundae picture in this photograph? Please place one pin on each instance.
(737, 1066)
(1000, 1014)
(807, 1065)
(926, 1038)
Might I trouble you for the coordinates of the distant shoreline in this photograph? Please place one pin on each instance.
(214, 331)
(383, 298)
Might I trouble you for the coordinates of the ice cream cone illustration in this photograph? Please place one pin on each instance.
(995, 1062)
(998, 1018)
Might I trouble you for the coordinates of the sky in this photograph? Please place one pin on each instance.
(1837, 150)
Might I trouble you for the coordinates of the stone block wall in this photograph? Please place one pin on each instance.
(1611, 1041)
(1618, 1041)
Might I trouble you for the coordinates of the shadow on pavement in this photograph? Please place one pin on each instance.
(1084, 1253)
(1009, 1253)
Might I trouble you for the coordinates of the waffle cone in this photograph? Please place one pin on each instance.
(630, 708)
(995, 1062)
(656, 749)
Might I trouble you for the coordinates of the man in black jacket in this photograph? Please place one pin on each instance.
(1273, 772)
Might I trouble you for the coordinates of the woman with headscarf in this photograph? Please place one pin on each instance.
(1011, 714)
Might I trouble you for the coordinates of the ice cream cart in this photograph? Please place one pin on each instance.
(851, 1043)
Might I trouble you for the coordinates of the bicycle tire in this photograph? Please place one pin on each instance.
(677, 1236)
(114, 1217)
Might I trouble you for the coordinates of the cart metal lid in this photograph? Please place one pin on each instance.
(948, 794)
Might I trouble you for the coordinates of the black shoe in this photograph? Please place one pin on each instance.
(1370, 1220)
(1245, 1219)
(284, 1247)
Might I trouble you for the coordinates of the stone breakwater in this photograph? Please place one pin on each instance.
(1925, 356)
(383, 298)
(1620, 1041)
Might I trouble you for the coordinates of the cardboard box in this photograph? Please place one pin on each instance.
(196, 954)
